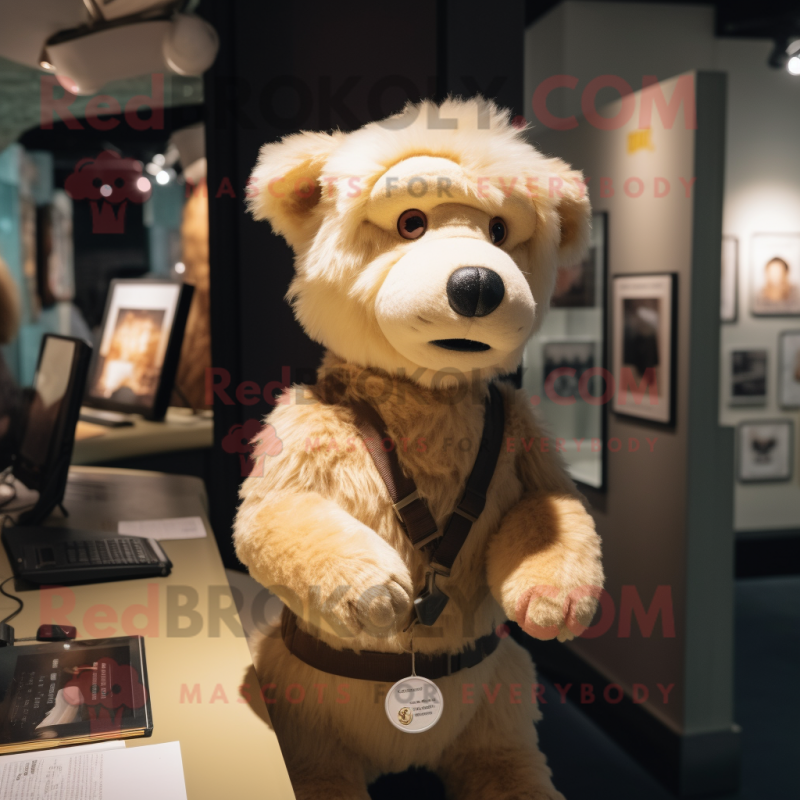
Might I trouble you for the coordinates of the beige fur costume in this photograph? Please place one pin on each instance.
(316, 522)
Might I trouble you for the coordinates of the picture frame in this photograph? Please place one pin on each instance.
(134, 365)
(581, 284)
(62, 265)
(765, 451)
(789, 369)
(775, 275)
(748, 376)
(580, 425)
(729, 280)
(644, 343)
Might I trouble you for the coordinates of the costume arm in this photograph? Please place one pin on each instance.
(543, 563)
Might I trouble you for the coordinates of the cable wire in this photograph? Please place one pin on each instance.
(13, 597)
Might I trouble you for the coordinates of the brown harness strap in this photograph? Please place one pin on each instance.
(421, 529)
(413, 510)
(473, 501)
(382, 667)
(419, 524)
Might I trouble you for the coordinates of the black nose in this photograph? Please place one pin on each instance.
(475, 291)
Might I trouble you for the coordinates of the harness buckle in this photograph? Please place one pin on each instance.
(403, 502)
(431, 602)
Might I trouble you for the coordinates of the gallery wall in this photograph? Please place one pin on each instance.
(762, 195)
(762, 181)
(666, 514)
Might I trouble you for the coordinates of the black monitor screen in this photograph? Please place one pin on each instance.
(50, 387)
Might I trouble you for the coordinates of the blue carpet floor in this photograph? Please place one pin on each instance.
(588, 765)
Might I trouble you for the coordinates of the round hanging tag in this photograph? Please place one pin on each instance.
(414, 704)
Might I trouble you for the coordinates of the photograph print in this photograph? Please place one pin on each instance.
(643, 346)
(789, 366)
(775, 274)
(580, 285)
(765, 450)
(748, 379)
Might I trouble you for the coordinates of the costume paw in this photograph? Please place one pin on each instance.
(370, 592)
(559, 602)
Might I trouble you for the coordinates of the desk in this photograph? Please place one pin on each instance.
(180, 430)
(196, 663)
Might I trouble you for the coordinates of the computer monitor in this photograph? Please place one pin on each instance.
(133, 369)
(42, 462)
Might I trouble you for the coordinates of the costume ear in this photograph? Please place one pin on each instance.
(573, 209)
(284, 187)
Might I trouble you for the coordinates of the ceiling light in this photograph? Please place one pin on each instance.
(786, 54)
(191, 45)
(162, 178)
(778, 58)
(135, 37)
(44, 61)
(67, 83)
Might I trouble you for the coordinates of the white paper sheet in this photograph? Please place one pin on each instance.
(161, 529)
(154, 772)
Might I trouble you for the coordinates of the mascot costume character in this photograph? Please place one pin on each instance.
(409, 503)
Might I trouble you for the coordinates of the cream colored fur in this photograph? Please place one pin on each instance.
(316, 523)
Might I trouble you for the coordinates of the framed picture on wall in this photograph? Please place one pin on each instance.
(643, 346)
(580, 285)
(764, 450)
(775, 274)
(55, 270)
(748, 377)
(729, 286)
(789, 369)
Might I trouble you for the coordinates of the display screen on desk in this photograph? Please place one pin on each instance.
(50, 389)
(134, 366)
(134, 341)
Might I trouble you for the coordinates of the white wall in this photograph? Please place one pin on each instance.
(762, 195)
(762, 175)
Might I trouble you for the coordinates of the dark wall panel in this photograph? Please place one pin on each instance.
(314, 66)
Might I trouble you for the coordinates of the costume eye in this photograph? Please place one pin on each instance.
(412, 224)
(498, 231)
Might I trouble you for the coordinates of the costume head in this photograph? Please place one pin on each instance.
(426, 242)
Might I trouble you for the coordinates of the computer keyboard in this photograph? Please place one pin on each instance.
(54, 555)
(117, 551)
